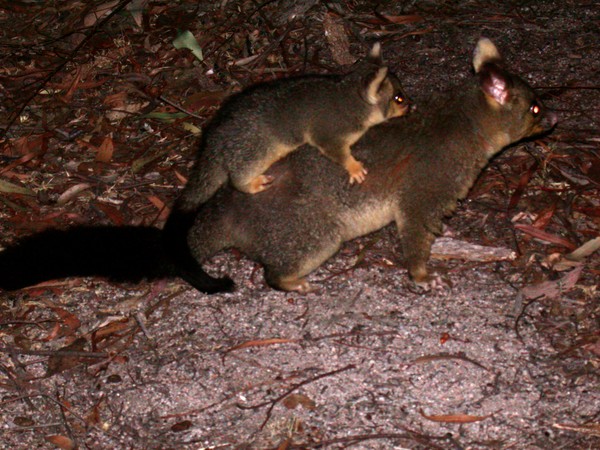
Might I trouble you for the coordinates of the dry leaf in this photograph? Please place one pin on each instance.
(21, 421)
(454, 418)
(592, 428)
(66, 326)
(261, 343)
(136, 9)
(293, 400)
(60, 363)
(181, 426)
(545, 236)
(110, 329)
(552, 289)
(10, 188)
(69, 320)
(72, 192)
(62, 442)
(93, 417)
(106, 150)
(404, 19)
(585, 250)
(99, 12)
(285, 444)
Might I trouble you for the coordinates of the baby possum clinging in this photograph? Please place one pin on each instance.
(418, 168)
(264, 123)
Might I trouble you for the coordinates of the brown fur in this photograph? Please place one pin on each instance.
(264, 123)
(419, 167)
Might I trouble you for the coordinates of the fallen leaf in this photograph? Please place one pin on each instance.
(68, 320)
(293, 400)
(285, 444)
(72, 193)
(136, 9)
(93, 417)
(187, 40)
(187, 126)
(168, 117)
(199, 101)
(446, 357)
(140, 163)
(99, 12)
(157, 202)
(60, 363)
(403, 19)
(261, 343)
(552, 289)
(10, 188)
(66, 326)
(114, 327)
(454, 418)
(585, 250)
(545, 236)
(592, 428)
(62, 442)
(181, 426)
(21, 421)
(106, 150)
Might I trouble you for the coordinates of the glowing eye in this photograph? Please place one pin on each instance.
(398, 99)
(535, 108)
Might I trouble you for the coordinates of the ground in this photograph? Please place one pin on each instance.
(100, 118)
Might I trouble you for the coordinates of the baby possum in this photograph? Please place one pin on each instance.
(262, 124)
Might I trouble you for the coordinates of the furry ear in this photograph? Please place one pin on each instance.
(374, 56)
(485, 53)
(373, 84)
(494, 83)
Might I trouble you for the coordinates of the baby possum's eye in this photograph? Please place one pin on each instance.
(535, 108)
(399, 99)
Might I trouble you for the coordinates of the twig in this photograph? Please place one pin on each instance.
(178, 107)
(64, 418)
(302, 383)
(448, 356)
(19, 385)
(522, 313)
(54, 353)
(292, 389)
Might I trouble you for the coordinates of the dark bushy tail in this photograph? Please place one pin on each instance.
(176, 246)
(117, 253)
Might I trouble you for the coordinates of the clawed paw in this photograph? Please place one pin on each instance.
(357, 171)
(300, 285)
(430, 283)
(260, 183)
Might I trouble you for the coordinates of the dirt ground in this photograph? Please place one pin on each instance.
(94, 128)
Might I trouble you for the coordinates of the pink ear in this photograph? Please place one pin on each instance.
(494, 84)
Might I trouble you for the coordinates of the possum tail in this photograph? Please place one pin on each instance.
(118, 253)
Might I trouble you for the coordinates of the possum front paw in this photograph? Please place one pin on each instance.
(357, 171)
(259, 184)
